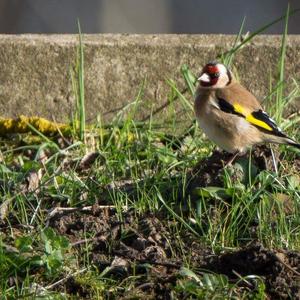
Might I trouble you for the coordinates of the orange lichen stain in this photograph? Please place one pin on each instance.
(20, 125)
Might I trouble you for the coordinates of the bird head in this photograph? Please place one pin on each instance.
(215, 75)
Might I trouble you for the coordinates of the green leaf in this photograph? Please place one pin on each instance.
(248, 170)
(48, 234)
(212, 192)
(4, 169)
(293, 182)
(24, 243)
(31, 165)
(188, 273)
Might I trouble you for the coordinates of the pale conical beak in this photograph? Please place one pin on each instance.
(204, 77)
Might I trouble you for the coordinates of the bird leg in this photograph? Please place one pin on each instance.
(232, 158)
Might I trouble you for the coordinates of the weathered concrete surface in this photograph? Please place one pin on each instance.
(35, 69)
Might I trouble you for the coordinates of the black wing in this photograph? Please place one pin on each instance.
(259, 118)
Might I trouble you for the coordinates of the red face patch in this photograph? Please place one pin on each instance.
(210, 69)
(213, 72)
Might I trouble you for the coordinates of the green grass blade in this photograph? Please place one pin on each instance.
(81, 88)
(279, 97)
(189, 78)
(173, 213)
(262, 29)
(227, 60)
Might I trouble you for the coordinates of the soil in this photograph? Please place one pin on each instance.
(125, 244)
(208, 172)
(127, 247)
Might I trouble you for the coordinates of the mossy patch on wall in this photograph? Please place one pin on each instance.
(22, 125)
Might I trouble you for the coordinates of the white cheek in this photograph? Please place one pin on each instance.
(222, 69)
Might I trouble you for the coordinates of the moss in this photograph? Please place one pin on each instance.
(20, 125)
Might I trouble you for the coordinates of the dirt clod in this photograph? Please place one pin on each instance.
(128, 247)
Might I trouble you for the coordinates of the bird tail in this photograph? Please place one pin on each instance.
(293, 143)
(282, 139)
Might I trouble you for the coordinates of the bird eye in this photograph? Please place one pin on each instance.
(214, 75)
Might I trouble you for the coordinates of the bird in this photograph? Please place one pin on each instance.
(231, 116)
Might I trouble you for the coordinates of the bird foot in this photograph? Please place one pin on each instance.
(232, 158)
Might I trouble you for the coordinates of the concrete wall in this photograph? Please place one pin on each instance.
(35, 69)
(143, 16)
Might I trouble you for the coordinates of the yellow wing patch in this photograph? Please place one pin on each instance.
(239, 109)
(257, 122)
(251, 119)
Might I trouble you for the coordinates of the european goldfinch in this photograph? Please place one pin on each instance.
(230, 115)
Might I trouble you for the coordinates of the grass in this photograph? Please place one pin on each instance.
(36, 261)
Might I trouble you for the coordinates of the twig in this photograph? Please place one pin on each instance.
(159, 263)
(242, 278)
(286, 265)
(293, 114)
(57, 210)
(146, 261)
(51, 286)
(83, 241)
(274, 161)
(145, 286)
(159, 109)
